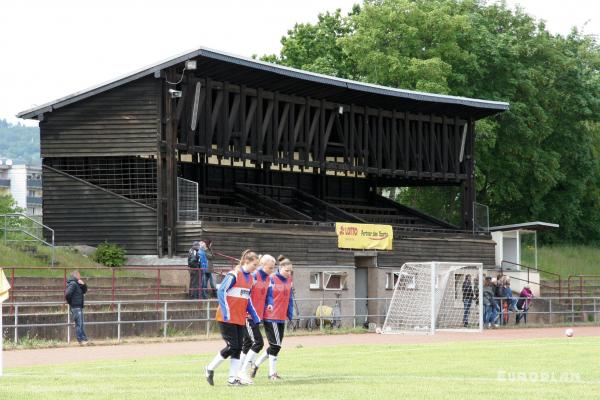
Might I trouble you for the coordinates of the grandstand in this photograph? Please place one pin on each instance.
(255, 155)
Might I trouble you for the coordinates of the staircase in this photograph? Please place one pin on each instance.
(23, 230)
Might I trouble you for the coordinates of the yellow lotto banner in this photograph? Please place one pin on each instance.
(364, 236)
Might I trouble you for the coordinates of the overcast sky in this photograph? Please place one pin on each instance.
(50, 49)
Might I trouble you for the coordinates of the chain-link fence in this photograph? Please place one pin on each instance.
(187, 200)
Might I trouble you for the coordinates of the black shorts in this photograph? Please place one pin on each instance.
(253, 338)
(274, 332)
(233, 335)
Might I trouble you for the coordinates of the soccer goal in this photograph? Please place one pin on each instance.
(435, 296)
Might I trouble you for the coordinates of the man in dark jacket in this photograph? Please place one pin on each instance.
(467, 296)
(196, 262)
(74, 294)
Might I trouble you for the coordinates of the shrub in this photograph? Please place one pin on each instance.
(111, 255)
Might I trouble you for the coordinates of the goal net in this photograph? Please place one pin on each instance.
(430, 296)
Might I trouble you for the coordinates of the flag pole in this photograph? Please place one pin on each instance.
(4, 288)
(1, 338)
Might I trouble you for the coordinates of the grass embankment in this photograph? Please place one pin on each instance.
(567, 260)
(518, 369)
(65, 258)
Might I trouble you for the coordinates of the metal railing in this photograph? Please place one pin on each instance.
(115, 275)
(583, 285)
(557, 310)
(20, 228)
(559, 288)
(116, 287)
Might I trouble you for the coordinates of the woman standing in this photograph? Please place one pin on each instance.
(234, 305)
(280, 306)
(253, 339)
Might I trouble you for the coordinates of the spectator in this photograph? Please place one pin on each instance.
(512, 301)
(498, 296)
(489, 305)
(467, 295)
(207, 268)
(194, 266)
(524, 303)
(74, 295)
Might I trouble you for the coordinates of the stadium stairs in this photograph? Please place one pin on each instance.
(39, 290)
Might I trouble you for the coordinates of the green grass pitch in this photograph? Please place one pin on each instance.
(517, 369)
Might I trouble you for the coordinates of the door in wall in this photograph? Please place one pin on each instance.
(361, 294)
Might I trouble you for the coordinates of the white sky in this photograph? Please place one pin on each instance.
(49, 49)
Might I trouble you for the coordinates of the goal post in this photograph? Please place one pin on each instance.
(435, 296)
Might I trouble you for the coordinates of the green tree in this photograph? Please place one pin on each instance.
(8, 205)
(539, 160)
(20, 143)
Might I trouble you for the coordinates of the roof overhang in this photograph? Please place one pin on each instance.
(272, 74)
(526, 226)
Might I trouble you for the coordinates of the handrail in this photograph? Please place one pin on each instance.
(274, 205)
(36, 238)
(329, 208)
(529, 269)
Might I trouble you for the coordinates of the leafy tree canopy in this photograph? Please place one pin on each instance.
(539, 160)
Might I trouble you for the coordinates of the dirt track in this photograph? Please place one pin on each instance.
(20, 358)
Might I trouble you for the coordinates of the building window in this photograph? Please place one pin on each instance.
(391, 278)
(31, 193)
(315, 280)
(402, 279)
(334, 280)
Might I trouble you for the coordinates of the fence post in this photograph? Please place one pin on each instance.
(12, 285)
(16, 324)
(68, 325)
(112, 289)
(118, 321)
(550, 312)
(594, 309)
(208, 317)
(321, 315)
(559, 287)
(53, 252)
(165, 323)
(572, 310)
(158, 284)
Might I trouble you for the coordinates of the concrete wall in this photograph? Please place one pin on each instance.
(312, 298)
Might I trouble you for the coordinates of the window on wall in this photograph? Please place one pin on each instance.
(334, 280)
(403, 280)
(315, 280)
(391, 278)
